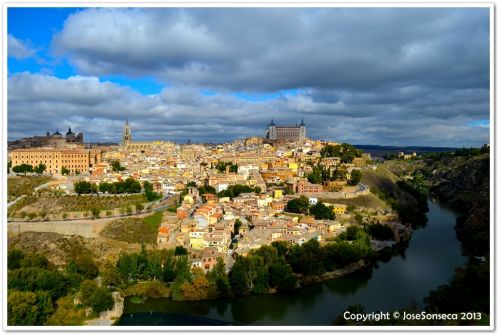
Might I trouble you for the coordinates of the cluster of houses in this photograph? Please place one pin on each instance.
(205, 224)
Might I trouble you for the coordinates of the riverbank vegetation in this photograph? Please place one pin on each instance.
(276, 267)
(41, 294)
(461, 180)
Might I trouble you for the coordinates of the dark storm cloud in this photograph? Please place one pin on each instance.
(275, 49)
(180, 114)
(382, 76)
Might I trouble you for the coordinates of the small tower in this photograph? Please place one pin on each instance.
(70, 136)
(302, 135)
(127, 134)
(271, 131)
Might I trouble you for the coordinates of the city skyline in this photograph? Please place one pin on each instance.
(385, 76)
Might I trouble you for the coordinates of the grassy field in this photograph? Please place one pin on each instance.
(134, 230)
(24, 185)
(52, 203)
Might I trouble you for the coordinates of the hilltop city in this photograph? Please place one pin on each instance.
(228, 198)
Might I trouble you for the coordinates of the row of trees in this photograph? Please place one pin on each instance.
(280, 265)
(320, 173)
(318, 210)
(27, 168)
(129, 186)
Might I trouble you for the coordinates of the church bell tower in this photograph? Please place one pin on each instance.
(127, 135)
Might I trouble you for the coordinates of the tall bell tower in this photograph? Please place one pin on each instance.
(127, 134)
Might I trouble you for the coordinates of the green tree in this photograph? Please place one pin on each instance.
(14, 258)
(249, 275)
(111, 277)
(345, 152)
(105, 187)
(219, 279)
(101, 300)
(23, 168)
(352, 232)
(380, 231)
(321, 211)
(139, 207)
(130, 185)
(237, 225)
(87, 289)
(123, 266)
(96, 297)
(149, 193)
(96, 211)
(116, 166)
(307, 259)
(180, 250)
(182, 267)
(298, 205)
(316, 176)
(281, 275)
(153, 266)
(169, 272)
(28, 308)
(38, 279)
(40, 168)
(355, 177)
(85, 265)
(64, 171)
(34, 260)
(281, 247)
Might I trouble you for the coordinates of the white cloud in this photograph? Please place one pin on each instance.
(19, 49)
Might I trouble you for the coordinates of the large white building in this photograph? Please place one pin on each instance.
(286, 133)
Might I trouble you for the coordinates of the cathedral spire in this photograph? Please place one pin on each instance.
(127, 134)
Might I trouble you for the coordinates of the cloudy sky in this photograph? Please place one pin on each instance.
(386, 76)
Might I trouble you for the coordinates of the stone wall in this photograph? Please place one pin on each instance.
(86, 230)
